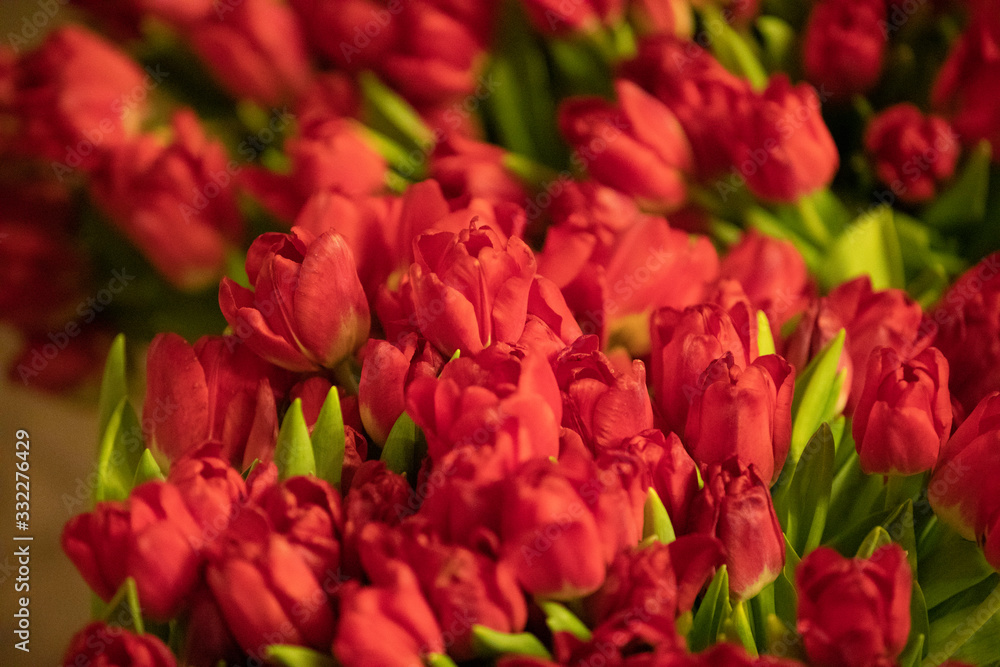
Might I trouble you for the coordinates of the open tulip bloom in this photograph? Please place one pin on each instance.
(520, 332)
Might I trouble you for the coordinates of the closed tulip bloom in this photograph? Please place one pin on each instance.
(553, 17)
(638, 145)
(844, 45)
(854, 612)
(673, 473)
(964, 489)
(216, 390)
(744, 412)
(772, 273)
(265, 588)
(904, 414)
(735, 506)
(153, 538)
(913, 153)
(174, 200)
(73, 96)
(685, 343)
(101, 645)
(212, 490)
(307, 310)
(600, 403)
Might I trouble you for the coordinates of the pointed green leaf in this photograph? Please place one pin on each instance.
(250, 468)
(950, 565)
(656, 520)
(714, 609)
(740, 621)
(899, 525)
(286, 655)
(439, 660)
(119, 454)
(147, 470)
(813, 397)
(732, 49)
(765, 339)
(329, 440)
(387, 109)
(971, 632)
(489, 643)
(964, 202)
(778, 40)
(920, 626)
(878, 537)
(124, 610)
(809, 492)
(402, 452)
(870, 247)
(114, 386)
(294, 453)
(910, 657)
(561, 619)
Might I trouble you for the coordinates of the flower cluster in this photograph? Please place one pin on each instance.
(557, 342)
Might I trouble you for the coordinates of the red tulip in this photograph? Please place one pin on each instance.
(685, 343)
(904, 413)
(735, 506)
(673, 473)
(913, 152)
(255, 47)
(468, 168)
(972, 67)
(554, 17)
(153, 539)
(968, 320)
(772, 273)
(78, 96)
(637, 147)
(494, 398)
(265, 589)
(174, 201)
(601, 404)
(307, 310)
(212, 490)
(217, 390)
(101, 645)
(844, 45)
(743, 412)
(964, 489)
(854, 612)
(388, 624)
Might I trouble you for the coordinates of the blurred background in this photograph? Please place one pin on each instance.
(63, 444)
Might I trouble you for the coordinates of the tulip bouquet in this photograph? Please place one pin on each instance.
(630, 333)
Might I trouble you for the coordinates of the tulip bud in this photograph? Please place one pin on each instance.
(735, 506)
(307, 310)
(746, 412)
(638, 145)
(673, 473)
(854, 612)
(102, 645)
(913, 153)
(772, 273)
(844, 45)
(904, 413)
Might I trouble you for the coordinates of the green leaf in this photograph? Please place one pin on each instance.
(656, 520)
(119, 454)
(329, 440)
(814, 394)
(439, 660)
(964, 202)
(911, 655)
(809, 492)
(870, 247)
(714, 609)
(402, 452)
(387, 110)
(778, 40)
(114, 385)
(489, 643)
(124, 610)
(899, 525)
(920, 627)
(147, 470)
(741, 628)
(878, 537)
(287, 655)
(970, 633)
(561, 619)
(765, 339)
(949, 565)
(732, 49)
(294, 453)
